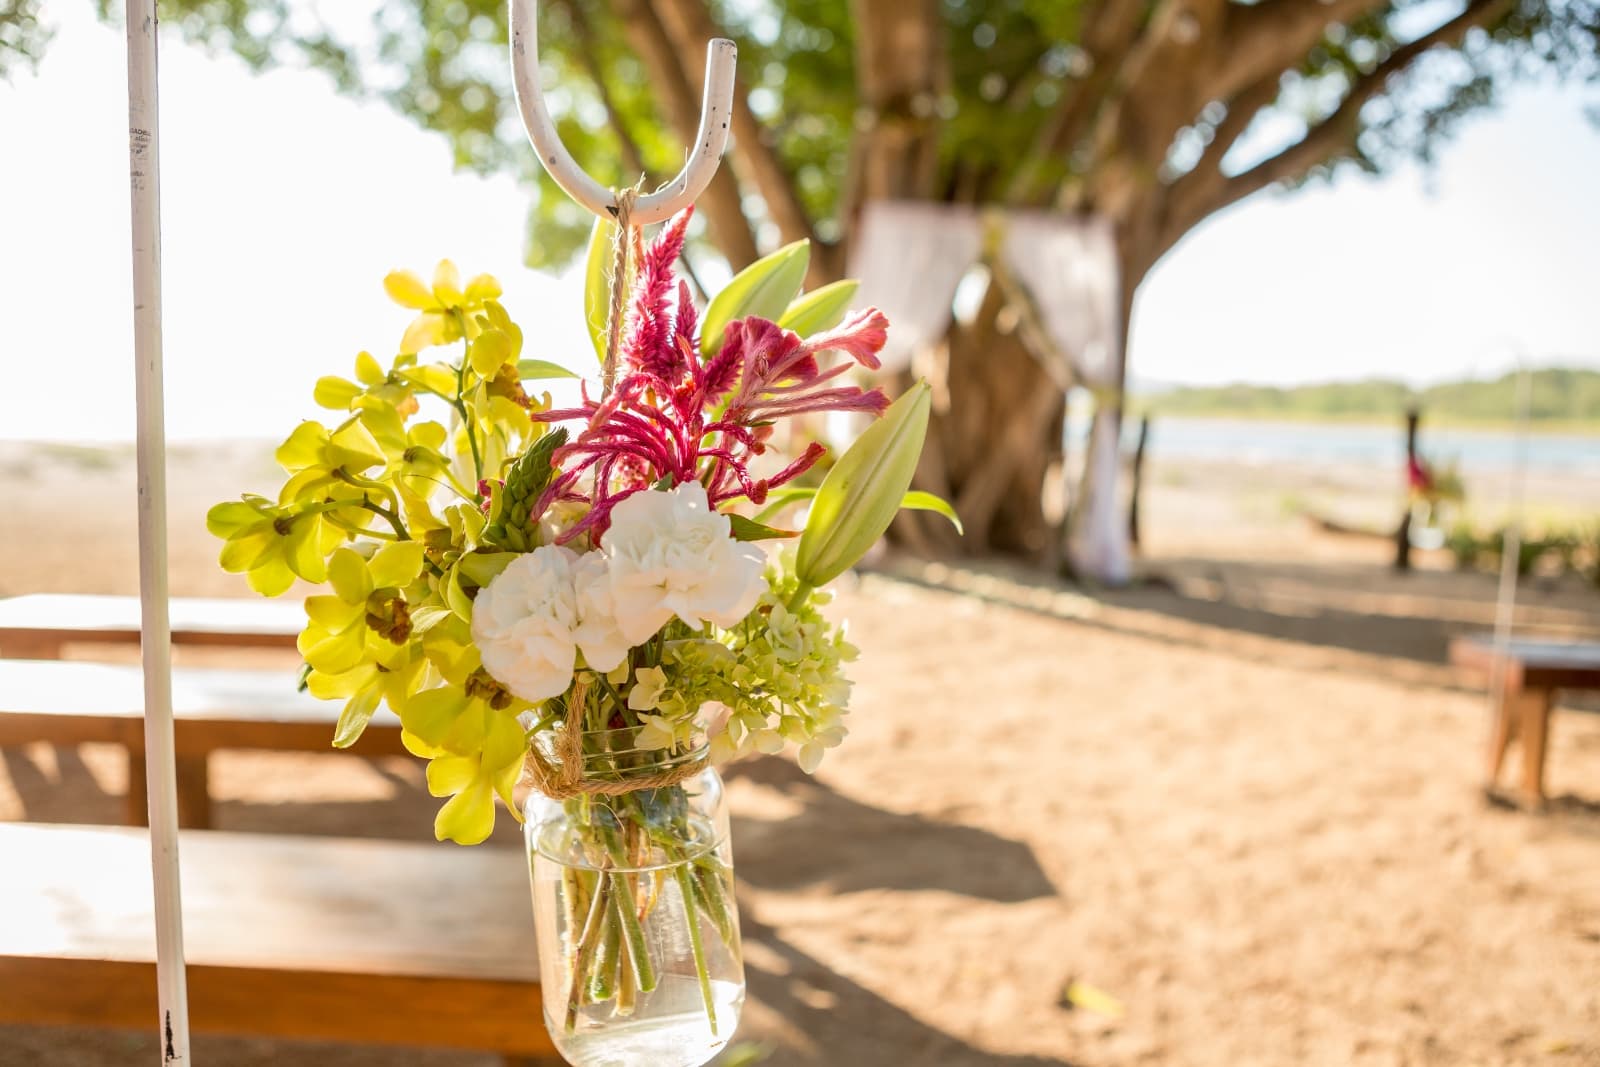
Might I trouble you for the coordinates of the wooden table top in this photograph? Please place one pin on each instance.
(1552, 664)
(261, 901)
(73, 617)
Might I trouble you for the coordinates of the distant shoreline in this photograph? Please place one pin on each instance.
(1566, 427)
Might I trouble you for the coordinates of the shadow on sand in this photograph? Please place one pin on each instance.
(840, 842)
(845, 1022)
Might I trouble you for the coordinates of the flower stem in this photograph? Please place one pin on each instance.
(686, 889)
(586, 949)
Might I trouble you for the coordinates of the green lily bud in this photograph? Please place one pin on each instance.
(859, 497)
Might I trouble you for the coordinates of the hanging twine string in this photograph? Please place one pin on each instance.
(563, 777)
(622, 254)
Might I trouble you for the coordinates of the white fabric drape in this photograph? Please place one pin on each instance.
(910, 257)
(1068, 265)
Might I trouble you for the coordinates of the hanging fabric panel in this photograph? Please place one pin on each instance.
(909, 257)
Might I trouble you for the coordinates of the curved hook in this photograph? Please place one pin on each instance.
(711, 140)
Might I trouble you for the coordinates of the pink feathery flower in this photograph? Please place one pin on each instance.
(649, 344)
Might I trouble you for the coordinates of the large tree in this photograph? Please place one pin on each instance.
(1152, 113)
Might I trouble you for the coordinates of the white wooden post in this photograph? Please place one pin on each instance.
(144, 168)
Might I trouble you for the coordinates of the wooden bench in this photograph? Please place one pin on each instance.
(286, 937)
(1532, 672)
(71, 702)
(36, 626)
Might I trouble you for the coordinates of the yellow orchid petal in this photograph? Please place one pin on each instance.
(483, 287)
(407, 290)
(335, 393)
(451, 774)
(271, 577)
(368, 370)
(468, 817)
(426, 330)
(303, 448)
(447, 285)
(331, 686)
(354, 718)
(333, 613)
(348, 573)
(246, 547)
(396, 564)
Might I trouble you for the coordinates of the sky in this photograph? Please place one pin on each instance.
(284, 206)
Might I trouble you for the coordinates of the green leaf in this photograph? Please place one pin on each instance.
(530, 370)
(778, 499)
(750, 530)
(820, 309)
(763, 288)
(917, 500)
(596, 293)
(859, 497)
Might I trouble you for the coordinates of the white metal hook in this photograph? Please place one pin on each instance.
(710, 140)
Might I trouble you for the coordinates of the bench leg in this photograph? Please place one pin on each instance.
(194, 791)
(138, 811)
(1501, 735)
(1534, 711)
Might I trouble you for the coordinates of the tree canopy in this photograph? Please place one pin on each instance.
(1174, 108)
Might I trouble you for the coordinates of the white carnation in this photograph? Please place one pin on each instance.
(670, 553)
(604, 647)
(523, 623)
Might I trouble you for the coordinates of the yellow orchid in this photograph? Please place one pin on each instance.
(272, 545)
(447, 311)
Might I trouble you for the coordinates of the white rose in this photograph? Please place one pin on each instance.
(671, 554)
(523, 623)
(604, 647)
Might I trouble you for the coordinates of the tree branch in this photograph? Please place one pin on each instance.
(690, 25)
(1109, 32)
(588, 55)
(721, 202)
(1324, 140)
(1262, 40)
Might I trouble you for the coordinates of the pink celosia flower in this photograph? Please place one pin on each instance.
(673, 416)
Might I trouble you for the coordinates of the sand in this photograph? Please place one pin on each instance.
(1244, 805)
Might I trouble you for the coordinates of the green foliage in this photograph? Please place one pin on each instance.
(23, 36)
(1011, 66)
(1566, 395)
(1551, 550)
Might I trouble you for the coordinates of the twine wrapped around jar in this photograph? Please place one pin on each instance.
(562, 777)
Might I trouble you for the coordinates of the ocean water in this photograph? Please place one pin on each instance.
(1261, 442)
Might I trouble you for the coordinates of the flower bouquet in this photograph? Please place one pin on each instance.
(580, 594)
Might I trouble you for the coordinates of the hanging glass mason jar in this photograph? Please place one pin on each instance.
(633, 907)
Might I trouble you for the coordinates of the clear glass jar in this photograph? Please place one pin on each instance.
(634, 910)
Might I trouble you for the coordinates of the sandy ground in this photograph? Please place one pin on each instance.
(1243, 802)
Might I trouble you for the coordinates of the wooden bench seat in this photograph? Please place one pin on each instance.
(37, 625)
(286, 937)
(71, 702)
(1531, 674)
